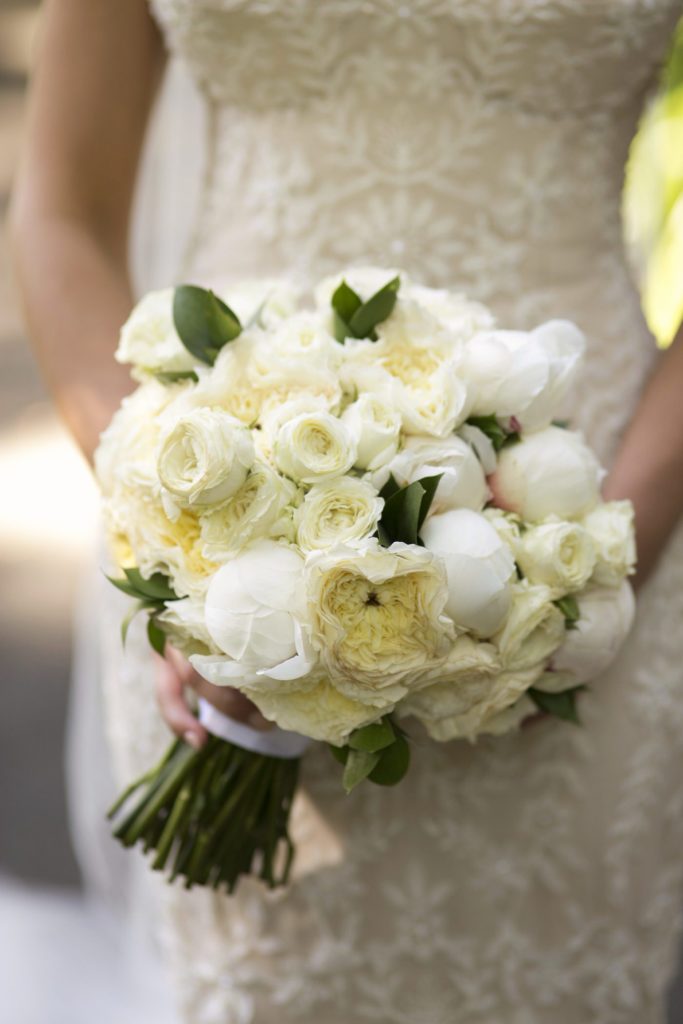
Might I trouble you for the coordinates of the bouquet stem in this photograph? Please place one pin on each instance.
(213, 814)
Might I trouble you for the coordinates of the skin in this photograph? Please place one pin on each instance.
(98, 74)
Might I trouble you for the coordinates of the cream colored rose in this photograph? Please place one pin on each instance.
(611, 529)
(533, 630)
(149, 339)
(462, 484)
(605, 618)
(377, 617)
(375, 427)
(264, 506)
(314, 447)
(226, 384)
(510, 719)
(299, 355)
(337, 512)
(557, 553)
(479, 567)
(549, 472)
(126, 456)
(506, 525)
(204, 458)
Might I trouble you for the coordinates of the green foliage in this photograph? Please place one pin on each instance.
(354, 318)
(569, 607)
(378, 752)
(561, 705)
(405, 510)
(203, 321)
(497, 434)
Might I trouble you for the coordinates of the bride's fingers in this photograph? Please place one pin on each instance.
(174, 708)
(225, 698)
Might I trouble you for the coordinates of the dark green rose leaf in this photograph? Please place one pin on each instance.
(358, 766)
(373, 737)
(173, 376)
(429, 484)
(393, 763)
(561, 705)
(405, 510)
(390, 487)
(345, 303)
(156, 636)
(203, 321)
(375, 310)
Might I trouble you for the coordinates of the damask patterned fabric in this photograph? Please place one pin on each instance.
(477, 144)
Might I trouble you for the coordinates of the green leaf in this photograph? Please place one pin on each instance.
(429, 484)
(390, 487)
(157, 587)
(393, 763)
(569, 607)
(359, 764)
(561, 705)
(203, 321)
(489, 425)
(401, 515)
(137, 607)
(345, 302)
(373, 737)
(156, 636)
(375, 310)
(173, 376)
(340, 754)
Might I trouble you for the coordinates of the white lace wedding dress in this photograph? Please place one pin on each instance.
(478, 144)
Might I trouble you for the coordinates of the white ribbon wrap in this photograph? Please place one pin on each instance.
(273, 742)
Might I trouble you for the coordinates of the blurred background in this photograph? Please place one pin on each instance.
(47, 931)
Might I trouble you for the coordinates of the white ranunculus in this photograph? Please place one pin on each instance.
(479, 568)
(377, 617)
(549, 472)
(313, 447)
(462, 484)
(611, 528)
(149, 339)
(375, 427)
(254, 614)
(605, 618)
(338, 512)
(263, 507)
(204, 458)
(521, 374)
(533, 629)
(557, 553)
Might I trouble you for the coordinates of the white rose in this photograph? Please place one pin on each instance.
(462, 484)
(313, 447)
(533, 630)
(521, 374)
(254, 613)
(375, 428)
(204, 458)
(611, 527)
(337, 512)
(126, 455)
(605, 618)
(549, 472)
(479, 568)
(510, 719)
(377, 617)
(298, 355)
(557, 553)
(506, 525)
(262, 507)
(226, 385)
(149, 339)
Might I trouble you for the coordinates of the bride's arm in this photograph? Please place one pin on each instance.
(99, 66)
(649, 464)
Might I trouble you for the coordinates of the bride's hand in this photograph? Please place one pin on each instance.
(173, 674)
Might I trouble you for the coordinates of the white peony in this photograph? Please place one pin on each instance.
(549, 472)
(149, 339)
(338, 512)
(313, 447)
(611, 528)
(377, 617)
(557, 553)
(204, 458)
(479, 568)
(533, 629)
(462, 484)
(606, 617)
(375, 427)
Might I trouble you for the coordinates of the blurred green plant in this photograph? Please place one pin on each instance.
(653, 201)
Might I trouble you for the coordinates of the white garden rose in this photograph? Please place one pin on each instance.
(479, 568)
(605, 618)
(462, 484)
(254, 612)
(204, 458)
(338, 512)
(264, 506)
(313, 447)
(611, 528)
(557, 553)
(226, 384)
(377, 617)
(460, 315)
(549, 472)
(149, 339)
(375, 427)
(525, 375)
(533, 629)
(510, 719)
(506, 524)
(299, 355)
(134, 430)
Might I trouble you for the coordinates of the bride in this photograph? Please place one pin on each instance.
(478, 144)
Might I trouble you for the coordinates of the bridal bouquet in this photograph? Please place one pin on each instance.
(358, 514)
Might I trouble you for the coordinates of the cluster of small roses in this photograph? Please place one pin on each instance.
(365, 507)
